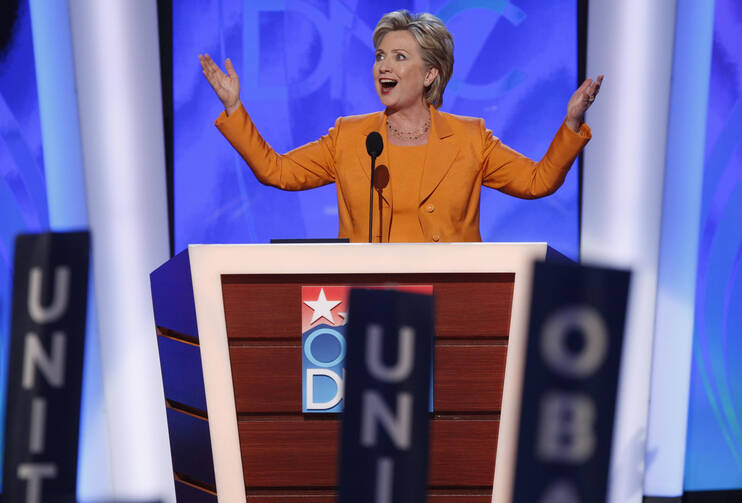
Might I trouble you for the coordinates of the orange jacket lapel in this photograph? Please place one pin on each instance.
(442, 150)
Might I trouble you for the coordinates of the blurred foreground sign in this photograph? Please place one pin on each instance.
(50, 283)
(384, 442)
(569, 390)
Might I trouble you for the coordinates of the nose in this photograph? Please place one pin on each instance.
(383, 66)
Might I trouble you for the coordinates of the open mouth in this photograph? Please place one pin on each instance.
(387, 84)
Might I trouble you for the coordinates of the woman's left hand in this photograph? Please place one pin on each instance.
(581, 101)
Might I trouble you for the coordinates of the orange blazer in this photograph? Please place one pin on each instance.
(462, 155)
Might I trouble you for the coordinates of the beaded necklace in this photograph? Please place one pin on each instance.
(413, 135)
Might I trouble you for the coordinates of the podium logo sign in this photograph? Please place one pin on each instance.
(324, 314)
(571, 377)
(45, 372)
(384, 439)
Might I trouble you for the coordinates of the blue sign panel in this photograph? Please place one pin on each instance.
(571, 377)
(384, 440)
(45, 373)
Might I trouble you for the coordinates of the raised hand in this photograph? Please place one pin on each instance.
(226, 86)
(581, 101)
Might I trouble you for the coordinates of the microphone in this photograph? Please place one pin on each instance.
(374, 146)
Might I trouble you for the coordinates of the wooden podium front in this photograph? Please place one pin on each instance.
(229, 333)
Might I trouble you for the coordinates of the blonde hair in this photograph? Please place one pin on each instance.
(435, 41)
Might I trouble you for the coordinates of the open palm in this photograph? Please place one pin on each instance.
(225, 85)
(581, 101)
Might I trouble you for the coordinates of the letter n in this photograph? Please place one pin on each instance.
(34, 356)
(375, 411)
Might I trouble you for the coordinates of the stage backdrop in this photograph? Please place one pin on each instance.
(303, 63)
(714, 446)
(23, 205)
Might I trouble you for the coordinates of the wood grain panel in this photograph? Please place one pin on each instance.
(256, 310)
(469, 378)
(463, 452)
(292, 456)
(267, 379)
(268, 306)
(289, 454)
(304, 453)
(476, 309)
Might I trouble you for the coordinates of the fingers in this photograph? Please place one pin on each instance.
(589, 90)
(202, 60)
(595, 87)
(210, 69)
(230, 68)
(591, 87)
(206, 62)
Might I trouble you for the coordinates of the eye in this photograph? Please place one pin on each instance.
(379, 56)
(401, 56)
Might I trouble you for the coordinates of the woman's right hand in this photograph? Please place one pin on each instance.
(226, 86)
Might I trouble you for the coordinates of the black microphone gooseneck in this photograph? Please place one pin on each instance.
(374, 146)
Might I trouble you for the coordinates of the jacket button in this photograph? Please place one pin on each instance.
(430, 208)
(436, 237)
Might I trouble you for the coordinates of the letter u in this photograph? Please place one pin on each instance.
(48, 314)
(374, 354)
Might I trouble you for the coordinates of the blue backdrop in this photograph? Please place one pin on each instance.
(303, 63)
(23, 206)
(714, 445)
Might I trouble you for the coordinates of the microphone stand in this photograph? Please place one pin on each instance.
(374, 147)
(371, 200)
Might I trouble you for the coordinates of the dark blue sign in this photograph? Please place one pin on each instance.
(384, 441)
(569, 392)
(45, 373)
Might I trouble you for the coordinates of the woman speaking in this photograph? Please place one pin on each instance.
(432, 164)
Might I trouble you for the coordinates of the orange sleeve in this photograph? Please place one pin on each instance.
(306, 167)
(517, 175)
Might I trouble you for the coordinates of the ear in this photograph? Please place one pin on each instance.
(430, 75)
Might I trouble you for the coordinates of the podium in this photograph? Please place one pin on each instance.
(229, 335)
